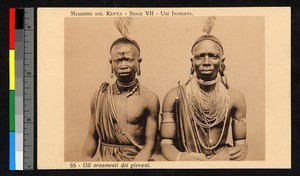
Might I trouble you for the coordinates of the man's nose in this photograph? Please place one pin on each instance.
(124, 64)
(206, 59)
(206, 62)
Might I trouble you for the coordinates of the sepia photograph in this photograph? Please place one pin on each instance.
(142, 71)
(158, 88)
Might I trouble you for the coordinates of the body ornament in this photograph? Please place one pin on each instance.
(124, 132)
(167, 141)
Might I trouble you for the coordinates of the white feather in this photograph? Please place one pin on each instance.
(209, 24)
(123, 24)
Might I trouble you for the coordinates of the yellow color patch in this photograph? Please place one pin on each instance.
(12, 70)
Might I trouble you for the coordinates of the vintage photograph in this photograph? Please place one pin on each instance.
(122, 83)
(161, 87)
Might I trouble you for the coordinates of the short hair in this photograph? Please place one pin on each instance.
(125, 40)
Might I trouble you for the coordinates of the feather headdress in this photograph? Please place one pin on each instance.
(209, 24)
(123, 24)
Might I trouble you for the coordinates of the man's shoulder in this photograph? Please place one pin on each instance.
(150, 97)
(103, 86)
(235, 95)
(174, 92)
(148, 94)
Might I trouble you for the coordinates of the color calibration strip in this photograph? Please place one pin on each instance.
(21, 88)
(12, 151)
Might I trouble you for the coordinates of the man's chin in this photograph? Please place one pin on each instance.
(125, 77)
(206, 77)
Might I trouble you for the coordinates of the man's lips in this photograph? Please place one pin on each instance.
(124, 73)
(206, 71)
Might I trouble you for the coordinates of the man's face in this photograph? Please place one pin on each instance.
(125, 60)
(207, 59)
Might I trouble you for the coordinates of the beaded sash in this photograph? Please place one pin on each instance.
(114, 113)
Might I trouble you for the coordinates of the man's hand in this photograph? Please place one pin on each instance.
(238, 152)
(193, 157)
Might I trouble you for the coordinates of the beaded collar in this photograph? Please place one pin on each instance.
(132, 86)
(208, 83)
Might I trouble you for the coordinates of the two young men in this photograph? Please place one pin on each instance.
(196, 117)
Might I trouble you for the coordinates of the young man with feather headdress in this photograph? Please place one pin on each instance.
(123, 123)
(204, 119)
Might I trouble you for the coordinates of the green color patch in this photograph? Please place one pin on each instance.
(12, 110)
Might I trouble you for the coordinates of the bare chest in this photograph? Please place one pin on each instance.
(133, 109)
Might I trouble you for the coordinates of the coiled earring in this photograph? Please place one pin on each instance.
(139, 71)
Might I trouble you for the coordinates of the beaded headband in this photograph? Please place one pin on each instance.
(208, 37)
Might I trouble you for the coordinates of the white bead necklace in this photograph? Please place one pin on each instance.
(209, 110)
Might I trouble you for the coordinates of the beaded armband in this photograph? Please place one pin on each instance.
(167, 117)
(166, 141)
(240, 142)
(240, 119)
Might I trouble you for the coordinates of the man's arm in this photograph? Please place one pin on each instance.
(239, 151)
(91, 141)
(151, 130)
(168, 133)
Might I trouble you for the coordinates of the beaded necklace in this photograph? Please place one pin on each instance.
(209, 109)
(133, 85)
(201, 81)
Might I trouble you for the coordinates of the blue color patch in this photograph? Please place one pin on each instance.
(12, 151)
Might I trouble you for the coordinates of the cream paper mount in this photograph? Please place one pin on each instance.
(73, 52)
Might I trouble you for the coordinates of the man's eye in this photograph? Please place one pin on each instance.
(214, 56)
(199, 56)
(117, 61)
(131, 60)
